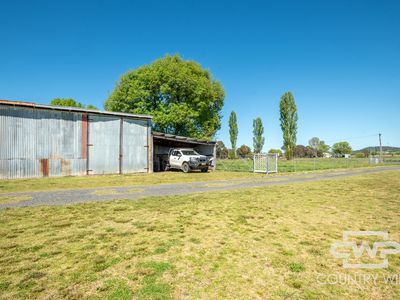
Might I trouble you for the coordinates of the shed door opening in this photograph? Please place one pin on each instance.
(103, 145)
(134, 144)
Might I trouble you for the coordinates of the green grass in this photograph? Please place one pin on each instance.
(308, 164)
(43, 184)
(226, 169)
(265, 243)
(296, 165)
(14, 199)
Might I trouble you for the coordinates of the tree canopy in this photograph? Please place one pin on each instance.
(275, 151)
(70, 103)
(288, 118)
(258, 139)
(314, 143)
(66, 102)
(322, 147)
(243, 151)
(342, 148)
(301, 151)
(182, 97)
(318, 146)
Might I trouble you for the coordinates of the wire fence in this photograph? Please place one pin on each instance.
(246, 163)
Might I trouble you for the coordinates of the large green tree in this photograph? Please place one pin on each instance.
(233, 131)
(322, 147)
(342, 148)
(288, 118)
(182, 97)
(258, 139)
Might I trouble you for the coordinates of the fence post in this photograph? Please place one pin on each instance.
(254, 163)
(276, 162)
(267, 163)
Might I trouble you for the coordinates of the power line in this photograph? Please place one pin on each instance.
(353, 138)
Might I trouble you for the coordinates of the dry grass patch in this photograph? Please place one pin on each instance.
(83, 182)
(269, 242)
(14, 199)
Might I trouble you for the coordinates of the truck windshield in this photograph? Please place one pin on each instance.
(189, 152)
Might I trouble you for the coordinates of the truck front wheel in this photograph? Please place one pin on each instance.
(185, 167)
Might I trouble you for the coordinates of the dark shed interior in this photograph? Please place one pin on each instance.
(163, 142)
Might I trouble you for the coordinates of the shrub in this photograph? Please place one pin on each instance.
(231, 154)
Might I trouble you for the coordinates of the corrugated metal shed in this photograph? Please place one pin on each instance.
(41, 140)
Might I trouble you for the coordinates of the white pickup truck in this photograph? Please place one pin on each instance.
(187, 159)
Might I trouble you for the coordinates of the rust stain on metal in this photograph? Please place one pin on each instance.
(84, 136)
(65, 167)
(44, 167)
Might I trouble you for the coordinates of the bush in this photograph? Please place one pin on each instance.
(275, 151)
(243, 151)
(359, 155)
(231, 154)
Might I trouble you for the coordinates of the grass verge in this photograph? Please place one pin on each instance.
(82, 182)
(269, 242)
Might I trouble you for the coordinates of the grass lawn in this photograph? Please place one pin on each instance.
(58, 183)
(269, 242)
(297, 164)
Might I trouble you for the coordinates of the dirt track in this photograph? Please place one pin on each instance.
(63, 197)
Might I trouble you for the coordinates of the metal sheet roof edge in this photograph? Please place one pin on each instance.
(178, 138)
(72, 109)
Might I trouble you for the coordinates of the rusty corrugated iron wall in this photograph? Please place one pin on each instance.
(43, 142)
(36, 143)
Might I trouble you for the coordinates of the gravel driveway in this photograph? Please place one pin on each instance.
(62, 197)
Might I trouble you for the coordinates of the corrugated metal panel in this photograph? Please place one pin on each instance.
(104, 136)
(134, 144)
(66, 167)
(33, 140)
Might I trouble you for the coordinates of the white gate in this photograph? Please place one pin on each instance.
(265, 163)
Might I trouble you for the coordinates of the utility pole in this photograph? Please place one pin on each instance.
(380, 149)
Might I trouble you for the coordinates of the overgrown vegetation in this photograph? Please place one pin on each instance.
(269, 242)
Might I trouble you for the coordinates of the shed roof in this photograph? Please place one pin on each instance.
(71, 109)
(177, 138)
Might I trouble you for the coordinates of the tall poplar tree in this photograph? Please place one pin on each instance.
(288, 118)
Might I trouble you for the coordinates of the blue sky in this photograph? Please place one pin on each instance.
(340, 59)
